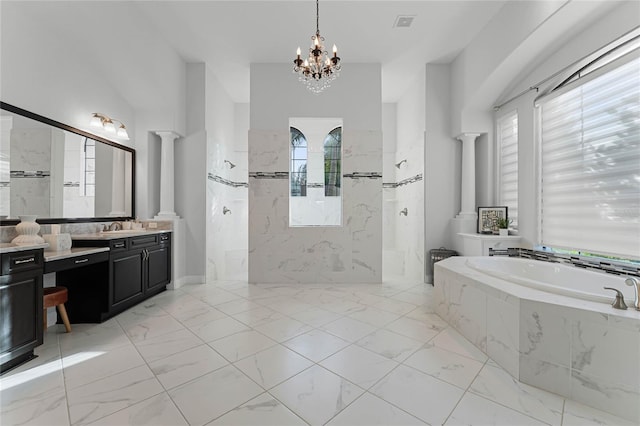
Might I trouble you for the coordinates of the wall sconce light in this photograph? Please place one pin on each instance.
(105, 122)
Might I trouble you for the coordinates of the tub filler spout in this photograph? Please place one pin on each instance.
(634, 282)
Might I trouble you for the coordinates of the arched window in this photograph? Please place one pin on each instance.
(332, 160)
(298, 169)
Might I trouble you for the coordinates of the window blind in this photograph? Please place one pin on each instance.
(590, 164)
(507, 129)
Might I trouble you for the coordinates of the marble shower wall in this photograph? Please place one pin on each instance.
(40, 151)
(350, 253)
(6, 123)
(227, 233)
(410, 195)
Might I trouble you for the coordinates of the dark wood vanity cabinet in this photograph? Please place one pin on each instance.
(138, 268)
(127, 280)
(158, 268)
(20, 306)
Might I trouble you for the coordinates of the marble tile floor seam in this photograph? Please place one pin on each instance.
(177, 364)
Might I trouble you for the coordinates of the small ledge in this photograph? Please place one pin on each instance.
(489, 236)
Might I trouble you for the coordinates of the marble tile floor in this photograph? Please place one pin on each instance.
(229, 353)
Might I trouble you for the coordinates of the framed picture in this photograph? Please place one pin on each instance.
(488, 218)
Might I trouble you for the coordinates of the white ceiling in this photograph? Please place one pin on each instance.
(230, 35)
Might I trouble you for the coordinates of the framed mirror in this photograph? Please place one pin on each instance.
(60, 173)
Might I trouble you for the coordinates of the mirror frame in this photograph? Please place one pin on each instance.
(49, 220)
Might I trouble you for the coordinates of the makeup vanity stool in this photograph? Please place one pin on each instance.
(56, 296)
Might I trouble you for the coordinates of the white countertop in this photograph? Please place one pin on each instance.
(73, 252)
(10, 247)
(118, 234)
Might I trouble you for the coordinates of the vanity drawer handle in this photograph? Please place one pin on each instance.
(82, 261)
(20, 262)
(119, 245)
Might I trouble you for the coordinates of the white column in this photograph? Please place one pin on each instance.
(167, 176)
(117, 182)
(468, 181)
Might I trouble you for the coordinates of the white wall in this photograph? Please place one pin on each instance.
(442, 162)
(351, 253)
(63, 81)
(479, 64)
(190, 173)
(52, 80)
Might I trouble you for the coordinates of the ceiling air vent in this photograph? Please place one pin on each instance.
(403, 21)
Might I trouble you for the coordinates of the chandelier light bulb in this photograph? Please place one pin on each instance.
(298, 52)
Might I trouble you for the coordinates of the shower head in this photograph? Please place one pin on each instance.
(231, 165)
(400, 163)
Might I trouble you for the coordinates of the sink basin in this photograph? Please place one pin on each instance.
(125, 231)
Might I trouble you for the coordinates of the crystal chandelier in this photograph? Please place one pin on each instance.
(318, 70)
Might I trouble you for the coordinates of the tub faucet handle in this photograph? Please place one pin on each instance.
(619, 302)
(636, 287)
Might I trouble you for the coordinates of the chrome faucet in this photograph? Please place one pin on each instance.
(634, 282)
(115, 226)
(225, 210)
(404, 212)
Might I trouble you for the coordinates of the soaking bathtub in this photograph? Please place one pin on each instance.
(549, 325)
(555, 278)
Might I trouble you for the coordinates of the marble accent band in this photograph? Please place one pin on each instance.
(227, 182)
(359, 175)
(269, 175)
(609, 266)
(407, 181)
(29, 173)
